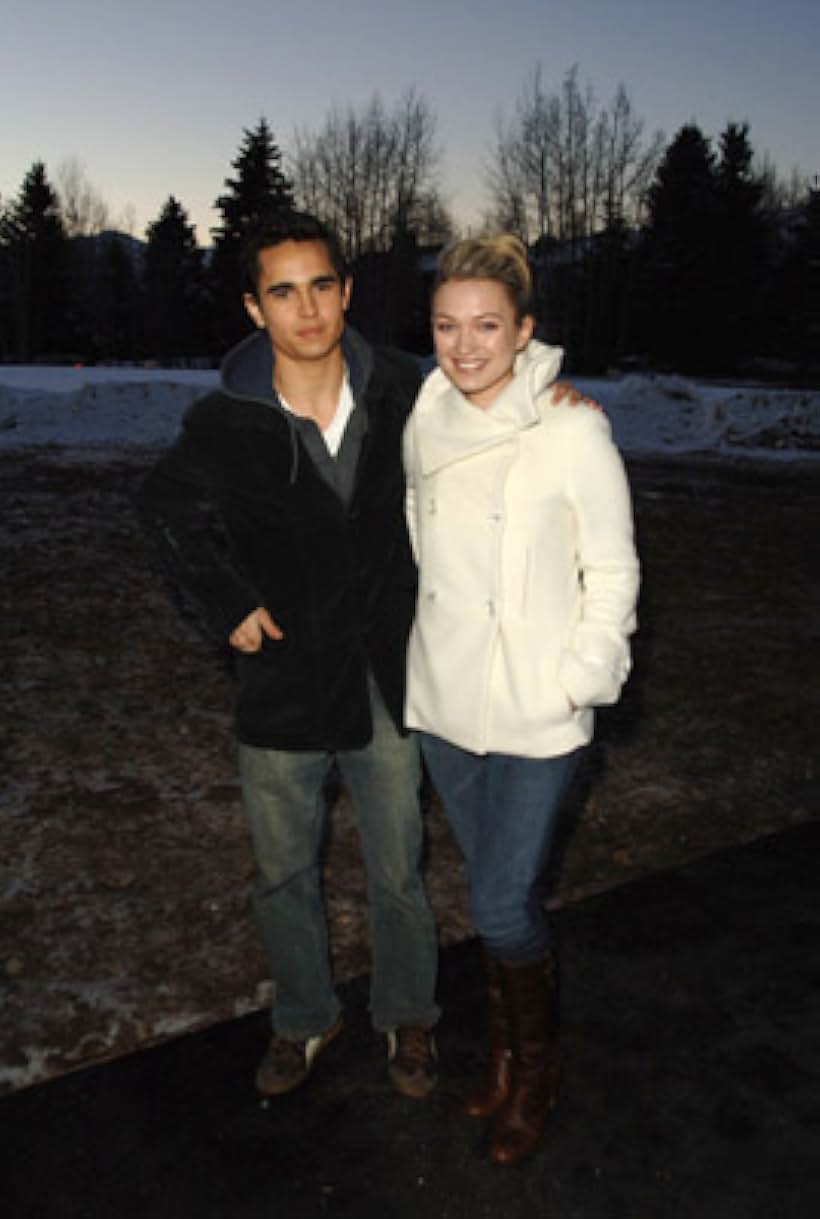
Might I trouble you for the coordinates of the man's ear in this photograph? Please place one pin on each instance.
(253, 311)
(347, 292)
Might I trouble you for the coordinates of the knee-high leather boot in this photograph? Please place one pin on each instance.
(492, 1089)
(531, 995)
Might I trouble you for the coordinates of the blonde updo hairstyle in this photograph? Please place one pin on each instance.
(502, 258)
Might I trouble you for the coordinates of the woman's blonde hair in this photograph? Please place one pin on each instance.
(502, 258)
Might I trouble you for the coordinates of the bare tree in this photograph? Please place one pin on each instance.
(126, 222)
(83, 209)
(506, 180)
(523, 170)
(563, 168)
(371, 173)
(780, 193)
(628, 164)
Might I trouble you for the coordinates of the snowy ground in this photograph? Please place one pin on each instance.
(119, 408)
(124, 857)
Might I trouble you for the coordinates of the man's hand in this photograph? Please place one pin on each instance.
(562, 390)
(247, 637)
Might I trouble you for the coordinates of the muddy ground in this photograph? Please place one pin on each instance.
(125, 858)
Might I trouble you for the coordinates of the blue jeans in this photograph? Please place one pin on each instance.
(283, 799)
(502, 811)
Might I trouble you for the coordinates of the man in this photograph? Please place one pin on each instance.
(280, 509)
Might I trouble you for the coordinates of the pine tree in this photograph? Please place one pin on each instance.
(809, 290)
(173, 286)
(7, 340)
(680, 256)
(795, 321)
(742, 270)
(119, 300)
(34, 260)
(258, 189)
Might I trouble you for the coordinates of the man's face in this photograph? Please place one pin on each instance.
(300, 301)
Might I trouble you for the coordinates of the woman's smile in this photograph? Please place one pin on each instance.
(477, 336)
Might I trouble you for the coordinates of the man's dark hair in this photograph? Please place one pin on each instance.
(286, 226)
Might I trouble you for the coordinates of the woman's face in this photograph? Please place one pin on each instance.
(477, 336)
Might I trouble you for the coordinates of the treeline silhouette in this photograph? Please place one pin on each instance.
(678, 256)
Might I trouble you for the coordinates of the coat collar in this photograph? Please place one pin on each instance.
(247, 369)
(449, 428)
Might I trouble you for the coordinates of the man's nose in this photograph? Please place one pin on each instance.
(307, 303)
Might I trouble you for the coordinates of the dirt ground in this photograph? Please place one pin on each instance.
(125, 858)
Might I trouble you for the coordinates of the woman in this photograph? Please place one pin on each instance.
(520, 516)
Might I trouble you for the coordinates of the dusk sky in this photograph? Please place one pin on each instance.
(152, 98)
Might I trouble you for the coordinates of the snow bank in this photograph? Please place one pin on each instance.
(134, 407)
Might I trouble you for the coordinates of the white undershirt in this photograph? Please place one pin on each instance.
(335, 430)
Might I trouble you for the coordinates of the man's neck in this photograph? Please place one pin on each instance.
(311, 388)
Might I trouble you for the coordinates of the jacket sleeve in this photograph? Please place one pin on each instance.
(408, 453)
(178, 509)
(597, 659)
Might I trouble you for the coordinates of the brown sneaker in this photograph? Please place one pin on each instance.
(412, 1060)
(287, 1064)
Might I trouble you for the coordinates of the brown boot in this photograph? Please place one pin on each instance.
(493, 1088)
(532, 1005)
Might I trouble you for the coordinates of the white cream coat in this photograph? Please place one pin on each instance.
(521, 524)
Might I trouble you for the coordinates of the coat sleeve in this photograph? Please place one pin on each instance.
(177, 505)
(408, 453)
(597, 659)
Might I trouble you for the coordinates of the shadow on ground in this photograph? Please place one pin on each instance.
(691, 1087)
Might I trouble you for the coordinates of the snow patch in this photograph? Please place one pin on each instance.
(110, 411)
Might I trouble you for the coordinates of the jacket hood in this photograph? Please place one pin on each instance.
(454, 428)
(247, 369)
(247, 374)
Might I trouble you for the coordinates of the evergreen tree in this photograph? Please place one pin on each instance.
(809, 290)
(606, 275)
(795, 323)
(173, 286)
(34, 263)
(742, 270)
(258, 189)
(104, 296)
(679, 313)
(7, 336)
(118, 332)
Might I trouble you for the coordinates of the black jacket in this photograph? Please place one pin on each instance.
(244, 517)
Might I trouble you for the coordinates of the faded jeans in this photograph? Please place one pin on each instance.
(502, 811)
(283, 799)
